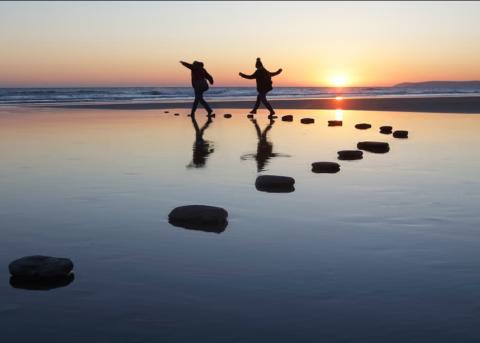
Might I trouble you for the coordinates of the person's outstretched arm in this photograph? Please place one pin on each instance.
(276, 73)
(209, 77)
(245, 76)
(187, 65)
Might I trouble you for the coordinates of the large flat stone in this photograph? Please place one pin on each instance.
(325, 167)
(400, 134)
(363, 126)
(307, 120)
(275, 184)
(40, 267)
(350, 155)
(199, 217)
(375, 147)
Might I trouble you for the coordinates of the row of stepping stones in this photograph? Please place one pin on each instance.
(214, 219)
(39, 272)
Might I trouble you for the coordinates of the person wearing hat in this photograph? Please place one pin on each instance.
(199, 84)
(264, 85)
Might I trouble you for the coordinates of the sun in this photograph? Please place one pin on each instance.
(338, 80)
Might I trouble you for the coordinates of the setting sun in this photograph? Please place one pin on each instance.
(338, 80)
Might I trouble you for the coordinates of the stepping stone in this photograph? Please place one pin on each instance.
(400, 134)
(375, 147)
(199, 217)
(275, 184)
(227, 115)
(177, 114)
(335, 123)
(166, 112)
(211, 115)
(40, 267)
(363, 126)
(350, 154)
(41, 284)
(272, 117)
(249, 115)
(287, 118)
(386, 130)
(307, 120)
(325, 167)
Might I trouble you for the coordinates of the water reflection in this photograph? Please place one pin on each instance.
(41, 284)
(201, 147)
(264, 146)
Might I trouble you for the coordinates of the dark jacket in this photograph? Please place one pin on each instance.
(263, 78)
(199, 76)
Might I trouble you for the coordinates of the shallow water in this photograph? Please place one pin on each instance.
(386, 250)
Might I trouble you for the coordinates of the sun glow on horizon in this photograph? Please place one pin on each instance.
(338, 80)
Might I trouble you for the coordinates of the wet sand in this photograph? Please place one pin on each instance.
(461, 104)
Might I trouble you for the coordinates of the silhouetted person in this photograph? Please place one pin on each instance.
(201, 147)
(199, 84)
(264, 147)
(264, 85)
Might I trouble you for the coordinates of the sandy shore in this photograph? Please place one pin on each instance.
(464, 104)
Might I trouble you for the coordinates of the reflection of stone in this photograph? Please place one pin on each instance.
(199, 217)
(307, 120)
(400, 134)
(275, 184)
(386, 130)
(40, 267)
(335, 123)
(363, 126)
(376, 147)
(227, 115)
(288, 117)
(325, 167)
(35, 284)
(350, 155)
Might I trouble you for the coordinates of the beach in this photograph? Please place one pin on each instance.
(433, 104)
(387, 247)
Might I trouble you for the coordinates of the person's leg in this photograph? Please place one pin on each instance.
(204, 103)
(263, 98)
(195, 103)
(257, 105)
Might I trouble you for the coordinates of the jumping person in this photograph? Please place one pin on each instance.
(199, 84)
(264, 85)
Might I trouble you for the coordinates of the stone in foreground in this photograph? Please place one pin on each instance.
(375, 147)
(400, 134)
(199, 217)
(307, 120)
(363, 126)
(350, 155)
(40, 267)
(288, 117)
(386, 130)
(275, 184)
(227, 115)
(335, 123)
(325, 167)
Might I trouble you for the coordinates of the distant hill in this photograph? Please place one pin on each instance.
(440, 84)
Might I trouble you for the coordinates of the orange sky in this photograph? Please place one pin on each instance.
(140, 44)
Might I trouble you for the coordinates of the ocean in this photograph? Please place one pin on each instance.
(112, 94)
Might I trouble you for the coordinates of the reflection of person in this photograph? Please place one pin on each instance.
(199, 84)
(264, 85)
(264, 147)
(201, 147)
